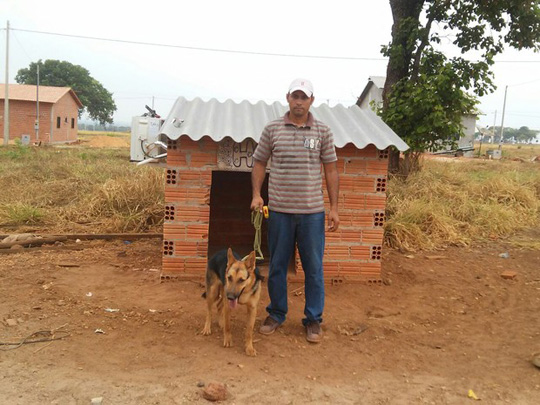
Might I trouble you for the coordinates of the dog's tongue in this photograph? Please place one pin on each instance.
(232, 303)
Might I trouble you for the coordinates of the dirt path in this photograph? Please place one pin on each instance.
(443, 325)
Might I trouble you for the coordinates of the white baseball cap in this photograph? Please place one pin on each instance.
(303, 85)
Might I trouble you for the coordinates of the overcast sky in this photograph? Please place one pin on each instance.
(140, 74)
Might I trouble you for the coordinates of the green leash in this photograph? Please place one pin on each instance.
(256, 220)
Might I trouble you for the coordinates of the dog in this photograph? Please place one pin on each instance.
(231, 281)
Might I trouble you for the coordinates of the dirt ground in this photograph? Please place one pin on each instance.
(441, 325)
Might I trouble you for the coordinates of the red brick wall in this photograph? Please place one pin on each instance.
(353, 253)
(22, 116)
(187, 206)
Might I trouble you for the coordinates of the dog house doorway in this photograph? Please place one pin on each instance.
(230, 215)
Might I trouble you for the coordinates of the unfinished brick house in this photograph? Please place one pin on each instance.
(208, 186)
(58, 112)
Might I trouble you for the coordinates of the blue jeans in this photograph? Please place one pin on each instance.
(307, 230)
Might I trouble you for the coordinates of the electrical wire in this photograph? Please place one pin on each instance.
(193, 48)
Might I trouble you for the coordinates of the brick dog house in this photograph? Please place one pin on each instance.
(208, 186)
(58, 112)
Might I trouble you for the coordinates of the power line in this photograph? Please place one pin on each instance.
(200, 48)
(234, 51)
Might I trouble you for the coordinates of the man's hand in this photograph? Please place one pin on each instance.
(333, 221)
(257, 204)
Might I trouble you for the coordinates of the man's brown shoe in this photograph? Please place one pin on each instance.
(269, 326)
(314, 332)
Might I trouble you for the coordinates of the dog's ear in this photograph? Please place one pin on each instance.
(230, 257)
(250, 262)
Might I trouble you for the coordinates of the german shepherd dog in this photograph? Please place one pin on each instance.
(237, 281)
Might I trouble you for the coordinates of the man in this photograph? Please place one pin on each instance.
(297, 144)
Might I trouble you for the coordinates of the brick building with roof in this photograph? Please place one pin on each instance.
(208, 186)
(58, 112)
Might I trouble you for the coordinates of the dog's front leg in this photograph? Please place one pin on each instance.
(208, 322)
(252, 315)
(226, 318)
(212, 293)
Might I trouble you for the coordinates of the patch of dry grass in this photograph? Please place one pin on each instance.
(461, 202)
(454, 202)
(516, 151)
(78, 190)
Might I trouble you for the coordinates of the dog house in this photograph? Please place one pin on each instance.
(208, 186)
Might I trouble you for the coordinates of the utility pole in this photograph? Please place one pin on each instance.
(37, 105)
(6, 96)
(502, 120)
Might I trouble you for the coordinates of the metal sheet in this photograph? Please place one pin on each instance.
(218, 120)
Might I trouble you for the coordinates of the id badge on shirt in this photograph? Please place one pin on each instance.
(312, 143)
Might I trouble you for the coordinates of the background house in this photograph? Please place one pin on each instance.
(58, 112)
(371, 97)
(372, 93)
(208, 186)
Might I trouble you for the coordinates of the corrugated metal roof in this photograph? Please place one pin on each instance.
(47, 94)
(218, 120)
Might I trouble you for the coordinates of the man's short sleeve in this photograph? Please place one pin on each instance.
(264, 147)
(328, 150)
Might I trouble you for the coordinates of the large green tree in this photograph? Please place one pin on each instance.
(97, 101)
(427, 91)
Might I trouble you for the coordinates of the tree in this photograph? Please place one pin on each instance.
(97, 101)
(427, 91)
(523, 134)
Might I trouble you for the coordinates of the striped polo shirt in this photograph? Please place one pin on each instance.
(295, 184)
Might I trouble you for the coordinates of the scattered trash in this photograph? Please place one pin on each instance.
(472, 395)
(153, 270)
(97, 401)
(200, 384)
(78, 241)
(20, 237)
(112, 310)
(100, 331)
(153, 310)
(504, 255)
(127, 242)
(68, 265)
(89, 294)
(409, 256)
(508, 274)
(37, 337)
